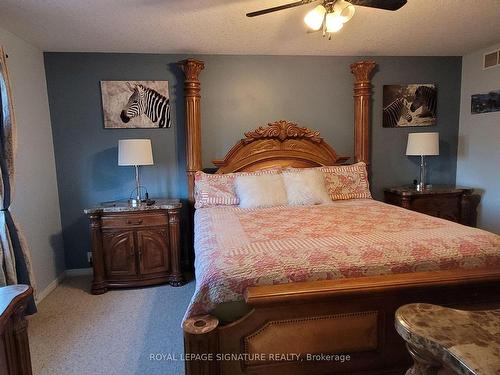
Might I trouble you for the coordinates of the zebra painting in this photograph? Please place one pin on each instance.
(136, 104)
(149, 102)
(409, 105)
(395, 111)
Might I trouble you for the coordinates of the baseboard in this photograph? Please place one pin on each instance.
(68, 273)
(78, 272)
(44, 293)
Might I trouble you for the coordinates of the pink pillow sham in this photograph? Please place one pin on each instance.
(347, 181)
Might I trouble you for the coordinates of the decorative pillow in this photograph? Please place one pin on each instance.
(260, 191)
(218, 189)
(305, 187)
(347, 181)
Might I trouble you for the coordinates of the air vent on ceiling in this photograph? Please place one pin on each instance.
(491, 59)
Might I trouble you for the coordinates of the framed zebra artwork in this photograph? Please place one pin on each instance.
(135, 104)
(409, 105)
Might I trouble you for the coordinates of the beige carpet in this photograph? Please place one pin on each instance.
(75, 332)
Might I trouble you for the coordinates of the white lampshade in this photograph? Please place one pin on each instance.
(314, 18)
(422, 144)
(135, 152)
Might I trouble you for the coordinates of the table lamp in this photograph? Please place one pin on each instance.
(135, 152)
(422, 144)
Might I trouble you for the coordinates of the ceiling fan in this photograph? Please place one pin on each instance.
(331, 15)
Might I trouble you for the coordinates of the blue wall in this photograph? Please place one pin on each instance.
(238, 94)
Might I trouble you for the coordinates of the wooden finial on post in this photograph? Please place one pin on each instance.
(362, 71)
(192, 69)
(201, 338)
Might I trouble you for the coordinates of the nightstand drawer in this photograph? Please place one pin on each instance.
(450, 203)
(444, 206)
(129, 221)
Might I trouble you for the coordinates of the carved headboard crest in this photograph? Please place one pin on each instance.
(279, 144)
(282, 130)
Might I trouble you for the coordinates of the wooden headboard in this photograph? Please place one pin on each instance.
(281, 143)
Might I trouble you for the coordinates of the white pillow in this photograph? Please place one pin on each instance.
(305, 187)
(260, 191)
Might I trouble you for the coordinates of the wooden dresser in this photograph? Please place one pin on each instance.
(135, 246)
(14, 347)
(450, 203)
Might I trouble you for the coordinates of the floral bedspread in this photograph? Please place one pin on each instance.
(237, 248)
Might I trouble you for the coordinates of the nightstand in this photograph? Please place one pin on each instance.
(135, 246)
(450, 203)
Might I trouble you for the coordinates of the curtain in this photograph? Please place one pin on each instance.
(14, 253)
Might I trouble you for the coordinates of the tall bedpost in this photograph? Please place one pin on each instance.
(192, 69)
(362, 71)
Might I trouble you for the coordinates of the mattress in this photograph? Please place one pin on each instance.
(236, 248)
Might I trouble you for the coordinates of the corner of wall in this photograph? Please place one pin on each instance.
(36, 201)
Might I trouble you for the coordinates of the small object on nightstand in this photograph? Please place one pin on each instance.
(135, 246)
(450, 203)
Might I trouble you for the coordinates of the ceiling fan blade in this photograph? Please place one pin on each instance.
(279, 7)
(380, 4)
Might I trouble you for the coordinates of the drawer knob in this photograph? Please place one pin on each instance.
(136, 222)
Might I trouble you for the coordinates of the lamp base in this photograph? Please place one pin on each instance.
(135, 202)
(421, 183)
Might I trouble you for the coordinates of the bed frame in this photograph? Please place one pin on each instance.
(348, 317)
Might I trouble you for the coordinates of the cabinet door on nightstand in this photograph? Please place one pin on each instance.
(152, 245)
(119, 254)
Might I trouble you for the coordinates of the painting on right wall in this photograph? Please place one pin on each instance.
(484, 103)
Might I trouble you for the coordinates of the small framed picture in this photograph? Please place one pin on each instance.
(484, 103)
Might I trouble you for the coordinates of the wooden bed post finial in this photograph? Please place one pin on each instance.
(201, 338)
(362, 71)
(192, 69)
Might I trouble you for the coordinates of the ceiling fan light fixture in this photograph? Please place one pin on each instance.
(333, 23)
(314, 18)
(344, 9)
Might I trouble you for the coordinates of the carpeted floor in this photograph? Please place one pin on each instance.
(75, 332)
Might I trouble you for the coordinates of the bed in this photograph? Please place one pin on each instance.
(321, 301)
(237, 248)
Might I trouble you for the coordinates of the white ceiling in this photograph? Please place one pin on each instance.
(422, 27)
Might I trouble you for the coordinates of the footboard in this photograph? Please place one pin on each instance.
(327, 327)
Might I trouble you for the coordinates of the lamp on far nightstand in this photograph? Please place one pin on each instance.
(422, 144)
(135, 152)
